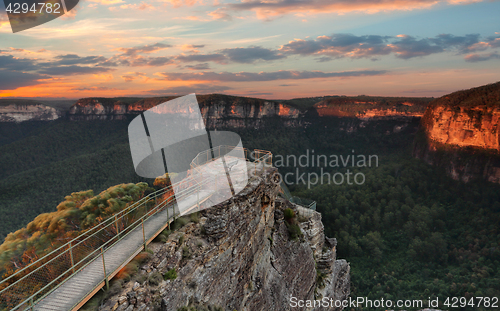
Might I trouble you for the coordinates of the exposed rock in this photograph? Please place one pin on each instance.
(28, 112)
(245, 260)
(461, 132)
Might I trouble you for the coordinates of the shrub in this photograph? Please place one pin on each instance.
(179, 223)
(289, 214)
(320, 279)
(186, 253)
(170, 275)
(294, 231)
(155, 278)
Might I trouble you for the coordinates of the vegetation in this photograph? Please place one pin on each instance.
(77, 213)
(170, 275)
(408, 232)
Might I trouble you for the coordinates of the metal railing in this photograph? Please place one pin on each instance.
(28, 286)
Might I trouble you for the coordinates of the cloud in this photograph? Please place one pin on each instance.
(473, 58)
(141, 7)
(201, 66)
(94, 88)
(265, 76)
(369, 46)
(11, 80)
(265, 9)
(194, 88)
(106, 2)
(144, 49)
(215, 57)
(73, 70)
(220, 14)
(73, 59)
(192, 46)
(131, 76)
(10, 62)
(251, 54)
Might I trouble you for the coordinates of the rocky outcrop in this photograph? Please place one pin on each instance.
(27, 111)
(461, 132)
(218, 111)
(240, 257)
(372, 108)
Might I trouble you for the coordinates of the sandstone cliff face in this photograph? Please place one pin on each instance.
(242, 260)
(217, 110)
(461, 132)
(368, 107)
(27, 112)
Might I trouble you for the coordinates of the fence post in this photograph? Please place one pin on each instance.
(116, 224)
(71, 256)
(104, 267)
(198, 198)
(31, 304)
(143, 233)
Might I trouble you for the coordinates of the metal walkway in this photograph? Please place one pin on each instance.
(67, 277)
(72, 293)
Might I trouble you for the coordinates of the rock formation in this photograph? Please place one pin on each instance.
(240, 257)
(25, 110)
(461, 132)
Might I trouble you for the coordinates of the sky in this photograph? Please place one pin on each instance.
(275, 49)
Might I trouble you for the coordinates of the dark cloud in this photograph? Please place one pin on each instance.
(408, 47)
(370, 46)
(144, 49)
(473, 58)
(266, 76)
(94, 88)
(200, 66)
(73, 59)
(216, 57)
(251, 54)
(20, 64)
(188, 89)
(73, 70)
(11, 80)
(339, 45)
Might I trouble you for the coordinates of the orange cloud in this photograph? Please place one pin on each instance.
(266, 9)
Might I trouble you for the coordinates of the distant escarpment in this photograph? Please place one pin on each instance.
(460, 132)
(371, 107)
(26, 110)
(242, 254)
(217, 110)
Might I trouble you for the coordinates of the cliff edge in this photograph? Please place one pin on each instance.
(240, 255)
(461, 132)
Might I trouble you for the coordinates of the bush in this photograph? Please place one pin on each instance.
(294, 231)
(155, 278)
(320, 279)
(289, 214)
(170, 275)
(186, 253)
(179, 223)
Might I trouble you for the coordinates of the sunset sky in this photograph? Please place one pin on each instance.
(276, 49)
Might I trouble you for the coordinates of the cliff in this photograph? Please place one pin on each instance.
(460, 132)
(239, 256)
(217, 110)
(371, 107)
(26, 110)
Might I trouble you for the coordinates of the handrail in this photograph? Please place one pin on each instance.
(70, 247)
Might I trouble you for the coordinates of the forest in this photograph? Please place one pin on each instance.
(409, 232)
